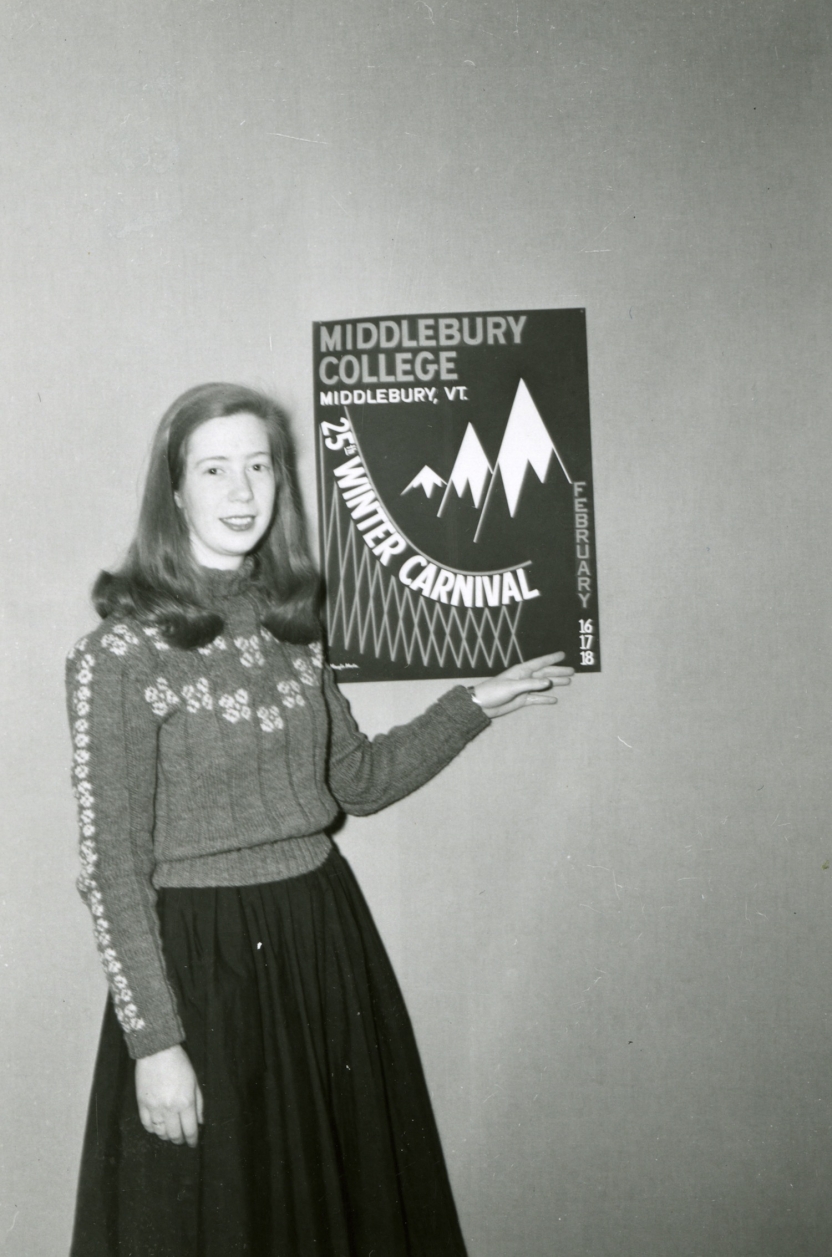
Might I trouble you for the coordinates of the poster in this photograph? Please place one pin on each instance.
(455, 493)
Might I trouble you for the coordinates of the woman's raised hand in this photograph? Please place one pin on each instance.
(525, 685)
(169, 1096)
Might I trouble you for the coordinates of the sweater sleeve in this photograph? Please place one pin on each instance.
(366, 775)
(114, 734)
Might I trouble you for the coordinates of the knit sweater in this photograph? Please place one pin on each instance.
(218, 766)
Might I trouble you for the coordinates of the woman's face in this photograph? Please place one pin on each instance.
(228, 489)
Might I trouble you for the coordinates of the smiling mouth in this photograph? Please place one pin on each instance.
(239, 523)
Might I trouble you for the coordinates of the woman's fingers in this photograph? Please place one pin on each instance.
(154, 1121)
(542, 666)
(560, 675)
(526, 685)
(531, 666)
(540, 696)
(189, 1127)
(543, 661)
(173, 1127)
(532, 687)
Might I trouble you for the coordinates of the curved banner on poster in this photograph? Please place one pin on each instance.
(455, 492)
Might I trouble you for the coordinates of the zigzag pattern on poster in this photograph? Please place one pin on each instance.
(371, 609)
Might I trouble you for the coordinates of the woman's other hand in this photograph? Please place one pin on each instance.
(169, 1096)
(525, 685)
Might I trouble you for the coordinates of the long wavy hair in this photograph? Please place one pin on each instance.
(160, 583)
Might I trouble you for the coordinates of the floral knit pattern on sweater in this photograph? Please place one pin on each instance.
(217, 766)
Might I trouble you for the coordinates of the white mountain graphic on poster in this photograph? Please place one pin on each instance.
(526, 443)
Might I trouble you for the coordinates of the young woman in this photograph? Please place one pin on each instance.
(258, 1089)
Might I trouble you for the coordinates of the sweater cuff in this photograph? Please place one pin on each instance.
(463, 713)
(140, 1045)
(161, 1031)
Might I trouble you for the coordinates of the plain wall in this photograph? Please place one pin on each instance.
(610, 918)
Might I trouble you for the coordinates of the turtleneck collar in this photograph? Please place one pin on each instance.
(224, 583)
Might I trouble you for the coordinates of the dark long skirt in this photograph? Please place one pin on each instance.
(319, 1136)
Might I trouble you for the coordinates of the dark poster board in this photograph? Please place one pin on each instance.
(455, 493)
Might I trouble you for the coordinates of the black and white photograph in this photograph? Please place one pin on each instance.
(415, 628)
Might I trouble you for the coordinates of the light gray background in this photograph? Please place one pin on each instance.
(611, 918)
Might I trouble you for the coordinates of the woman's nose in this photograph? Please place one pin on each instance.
(240, 490)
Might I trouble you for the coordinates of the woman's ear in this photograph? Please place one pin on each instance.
(177, 497)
